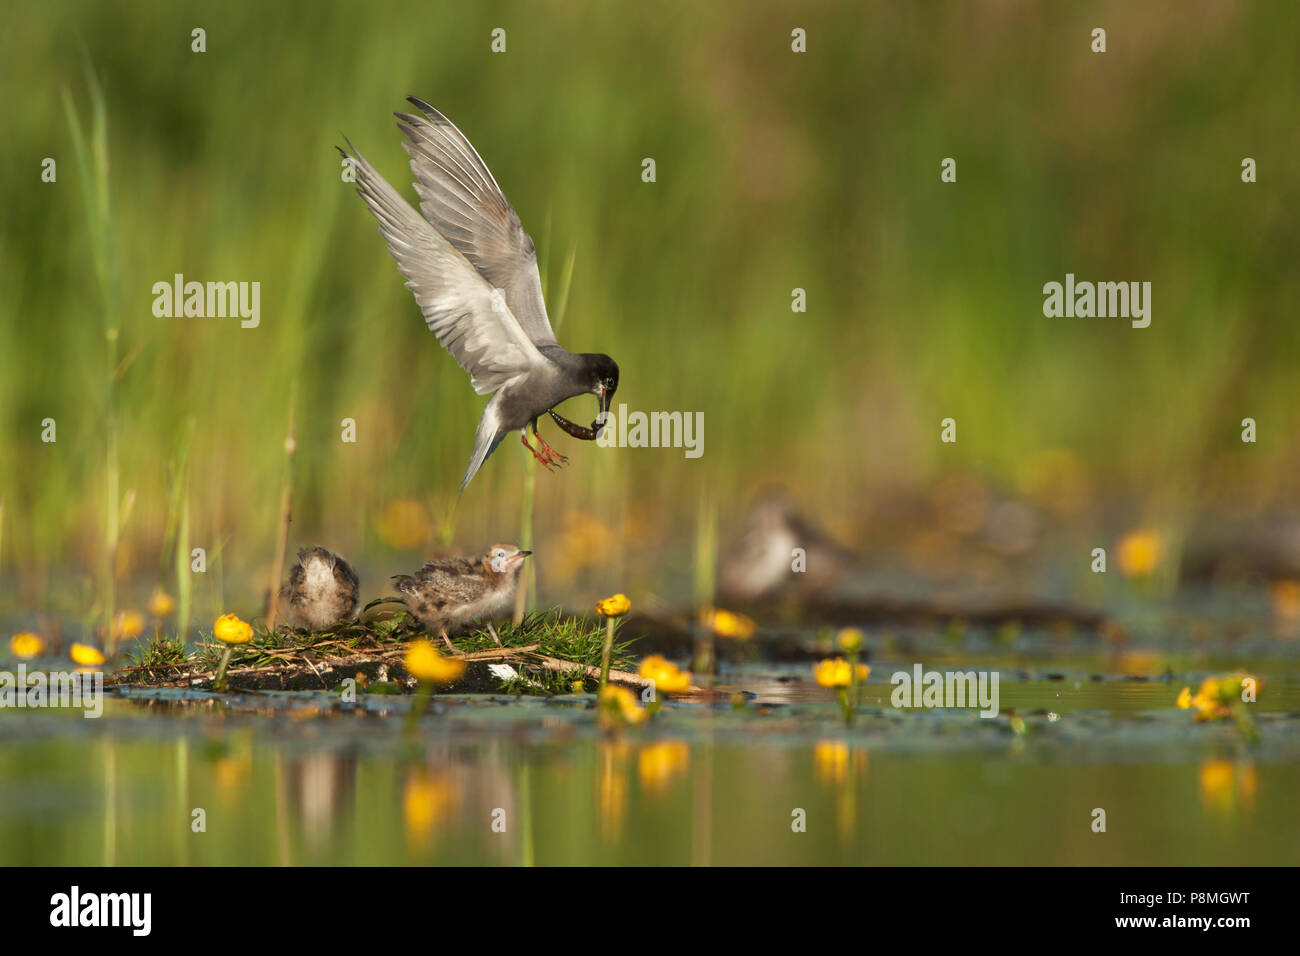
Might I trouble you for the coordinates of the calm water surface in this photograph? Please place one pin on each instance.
(294, 779)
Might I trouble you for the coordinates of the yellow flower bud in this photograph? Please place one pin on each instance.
(127, 624)
(850, 639)
(86, 656)
(161, 604)
(728, 623)
(25, 645)
(423, 662)
(667, 677)
(615, 606)
(230, 629)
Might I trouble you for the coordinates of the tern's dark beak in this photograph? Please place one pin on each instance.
(605, 395)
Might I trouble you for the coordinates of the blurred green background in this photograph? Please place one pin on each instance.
(775, 170)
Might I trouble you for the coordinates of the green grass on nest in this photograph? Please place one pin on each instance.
(161, 650)
(571, 638)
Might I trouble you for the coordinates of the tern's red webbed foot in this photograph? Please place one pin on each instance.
(553, 456)
(545, 460)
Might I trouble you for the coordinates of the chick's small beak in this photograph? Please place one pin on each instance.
(522, 554)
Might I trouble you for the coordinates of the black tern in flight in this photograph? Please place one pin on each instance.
(473, 272)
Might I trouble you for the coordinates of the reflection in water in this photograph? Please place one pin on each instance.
(845, 770)
(428, 798)
(831, 761)
(231, 773)
(320, 789)
(658, 763)
(1227, 785)
(1139, 663)
(613, 755)
(701, 786)
(110, 804)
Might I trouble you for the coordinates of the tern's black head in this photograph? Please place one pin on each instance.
(602, 377)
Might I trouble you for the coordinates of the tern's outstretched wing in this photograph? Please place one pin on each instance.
(463, 201)
(459, 304)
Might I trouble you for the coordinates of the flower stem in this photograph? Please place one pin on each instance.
(855, 689)
(422, 695)
(604, 654)
(219, 682)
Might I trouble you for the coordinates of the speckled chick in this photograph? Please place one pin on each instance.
(322, 590)
(448, 594)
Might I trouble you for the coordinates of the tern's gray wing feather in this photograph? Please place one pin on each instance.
(463, 201)
(486, 438)
(458, 303)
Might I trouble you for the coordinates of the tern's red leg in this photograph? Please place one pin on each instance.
(523, 440)
(554, 456)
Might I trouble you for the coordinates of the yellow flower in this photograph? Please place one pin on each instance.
(615, 606)
(405, 524)
(832, 673)
(86, 656)
(127, 624)
(161, 604)
(1139, 553)
(668, 678)
(582, 544)
(839, 673)
(1205, 702)
(1217, 695)
(231, 630)
(1286, 599)
(618, 705)
(25, 645)
(728, 623)
(850, 639)
(423, 662)
(1139, 662)
(1232, 686)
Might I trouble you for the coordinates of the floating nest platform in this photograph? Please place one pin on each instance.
(546, 652)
